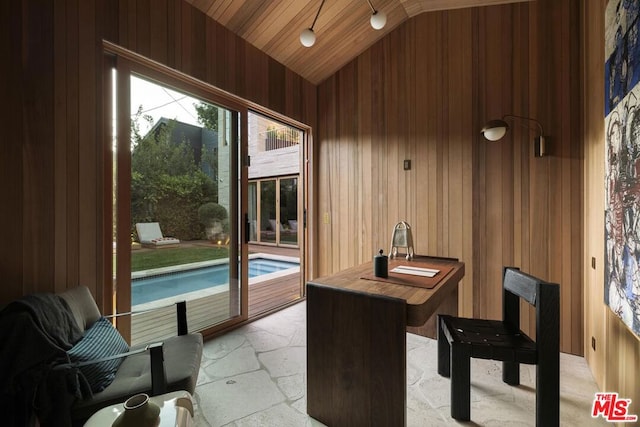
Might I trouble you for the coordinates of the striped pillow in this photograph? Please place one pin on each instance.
(100, 340)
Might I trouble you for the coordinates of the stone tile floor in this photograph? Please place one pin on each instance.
(255, 376)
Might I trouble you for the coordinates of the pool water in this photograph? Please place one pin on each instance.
(146, 289)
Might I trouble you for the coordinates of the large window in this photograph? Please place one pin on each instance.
(274, 174)
(177, 203)
(182, 200)
(273, 211)
(182, 167)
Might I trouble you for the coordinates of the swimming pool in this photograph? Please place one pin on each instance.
(152, 288)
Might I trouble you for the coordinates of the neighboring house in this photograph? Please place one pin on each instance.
(274, 152)
(274, 148)
(274, 172)
(199, 138)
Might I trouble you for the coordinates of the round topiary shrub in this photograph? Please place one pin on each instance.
(210, 213)
(214, 218)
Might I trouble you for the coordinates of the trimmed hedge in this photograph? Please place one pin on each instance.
(173, 201)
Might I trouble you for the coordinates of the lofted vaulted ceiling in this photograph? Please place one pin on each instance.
(342, 29)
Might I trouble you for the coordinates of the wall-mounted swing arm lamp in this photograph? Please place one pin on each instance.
(378, 21)
(494, 130)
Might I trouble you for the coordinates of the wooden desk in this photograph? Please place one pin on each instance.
(356, 343)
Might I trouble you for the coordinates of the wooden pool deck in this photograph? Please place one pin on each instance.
(209, 310)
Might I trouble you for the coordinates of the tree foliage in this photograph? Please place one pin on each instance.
(166, 184)
(211, 212)
(207, 115)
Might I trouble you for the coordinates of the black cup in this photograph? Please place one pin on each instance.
(380, 265)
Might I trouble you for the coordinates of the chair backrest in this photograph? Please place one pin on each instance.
(83, 306)
(274, 224)
(521, 284)
(148, 231)
(546, 299)
(544, 296)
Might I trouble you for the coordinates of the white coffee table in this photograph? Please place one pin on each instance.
(176, 409)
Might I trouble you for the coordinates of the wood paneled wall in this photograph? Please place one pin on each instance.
(615, 362)
(423, 93)
(11, 212)
(529, 209)
(51, 166)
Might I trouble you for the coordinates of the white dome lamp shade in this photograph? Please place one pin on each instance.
(307, 36)
(378, 18)
(495, 129)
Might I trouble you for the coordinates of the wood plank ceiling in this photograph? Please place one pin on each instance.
(342, 29)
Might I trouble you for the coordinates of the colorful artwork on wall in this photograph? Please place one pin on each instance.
(622, 161)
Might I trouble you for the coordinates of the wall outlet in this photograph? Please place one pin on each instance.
(325, 218)
(593, 343)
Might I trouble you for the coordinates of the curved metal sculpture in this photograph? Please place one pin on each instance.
(401, 238)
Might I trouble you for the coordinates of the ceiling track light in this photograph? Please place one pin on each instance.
(307, 36)
(378, 18)
(378, 21)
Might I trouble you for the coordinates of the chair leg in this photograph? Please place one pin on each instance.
(511, 373)
(548, 392)
(158, 373)
(444, 348)
(460, 382)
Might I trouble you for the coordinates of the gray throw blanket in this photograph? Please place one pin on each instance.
(35, 332)
(52, 315)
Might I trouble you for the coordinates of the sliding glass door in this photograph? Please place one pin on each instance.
(177, 203)
(274, 211)
(288, 213)
(269, 224)
(199, 184)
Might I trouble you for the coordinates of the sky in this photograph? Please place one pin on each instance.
(159, 101)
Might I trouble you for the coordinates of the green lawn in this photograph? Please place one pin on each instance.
(145, 260)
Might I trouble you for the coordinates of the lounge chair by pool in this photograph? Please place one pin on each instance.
(150, 235)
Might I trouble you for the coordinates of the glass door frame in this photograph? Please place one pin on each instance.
(277, 207)
(127, 63)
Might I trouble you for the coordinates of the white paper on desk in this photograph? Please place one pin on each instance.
(415, 271)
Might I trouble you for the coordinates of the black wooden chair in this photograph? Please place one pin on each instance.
(460, 339)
